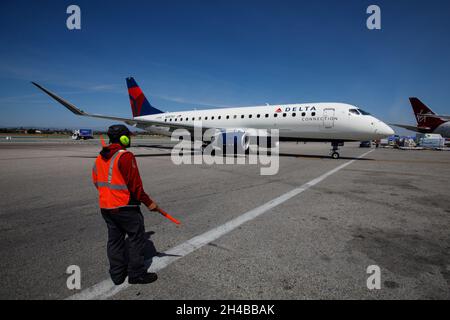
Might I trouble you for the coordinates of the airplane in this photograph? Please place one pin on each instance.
(427, 120)
(322, 122)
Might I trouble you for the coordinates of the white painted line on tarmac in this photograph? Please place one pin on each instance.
(107, 289)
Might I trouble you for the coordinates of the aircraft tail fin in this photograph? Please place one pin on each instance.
(424, 115)
(140, 106)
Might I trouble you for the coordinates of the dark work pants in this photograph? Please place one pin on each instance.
(123, 260)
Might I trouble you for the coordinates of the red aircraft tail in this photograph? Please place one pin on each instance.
(421, 111)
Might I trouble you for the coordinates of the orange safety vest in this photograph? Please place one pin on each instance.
(112, 188)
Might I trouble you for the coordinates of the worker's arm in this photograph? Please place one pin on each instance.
(94, 176)
(130, 172)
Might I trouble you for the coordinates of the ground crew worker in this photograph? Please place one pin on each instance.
(116, 177)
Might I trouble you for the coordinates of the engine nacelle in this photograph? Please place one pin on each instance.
(233, 140)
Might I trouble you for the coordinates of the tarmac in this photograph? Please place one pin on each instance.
(308, 232)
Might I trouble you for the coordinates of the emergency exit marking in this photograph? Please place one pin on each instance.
(74, 280)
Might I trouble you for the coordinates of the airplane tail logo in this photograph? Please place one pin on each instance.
(422, 114)
(139, 103)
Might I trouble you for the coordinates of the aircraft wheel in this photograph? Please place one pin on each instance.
(335, 155)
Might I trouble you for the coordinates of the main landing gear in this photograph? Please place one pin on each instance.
(335, 147)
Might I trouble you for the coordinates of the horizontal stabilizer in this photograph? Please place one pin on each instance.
(412, 128)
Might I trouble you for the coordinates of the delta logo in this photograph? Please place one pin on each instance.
(294, 109)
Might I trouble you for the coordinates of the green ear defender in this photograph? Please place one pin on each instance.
(125, 141)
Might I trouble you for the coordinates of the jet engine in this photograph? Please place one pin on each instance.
(235, 141)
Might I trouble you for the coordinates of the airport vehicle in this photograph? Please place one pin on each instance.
(325, 122)
(83, 134)
(365, 144)
(427, 120)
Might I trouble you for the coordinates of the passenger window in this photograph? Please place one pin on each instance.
(206, 118)
(228, 117)
(165, 120)
(313, 114)
(220, 117)
(267, 115)
(235, 116)
(303, 114)
(284, 115)
(212, 118)
(193, 119)
(175, 119)
(242, 116)
(293, 114)
(258, 116)
(199, 118)
(275, 115)
(170, 119)
(187, 119)
(249, 116)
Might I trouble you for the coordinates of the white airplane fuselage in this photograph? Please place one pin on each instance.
(308, 122)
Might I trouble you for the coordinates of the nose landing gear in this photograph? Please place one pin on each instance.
(335, 147)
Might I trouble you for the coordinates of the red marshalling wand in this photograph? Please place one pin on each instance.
(168, 216)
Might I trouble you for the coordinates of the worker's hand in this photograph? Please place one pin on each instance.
(153, 207)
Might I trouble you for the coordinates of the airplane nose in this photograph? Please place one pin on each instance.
(385, 130)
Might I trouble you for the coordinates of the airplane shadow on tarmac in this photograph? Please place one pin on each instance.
(283, 154)
(158, 146)
(288, 155)
(312, 156)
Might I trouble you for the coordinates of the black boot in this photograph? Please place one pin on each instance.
(119, 280)
(144, 279)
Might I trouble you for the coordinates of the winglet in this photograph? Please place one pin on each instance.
(65, 103)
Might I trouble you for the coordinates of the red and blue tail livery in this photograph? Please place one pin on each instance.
(139, 103)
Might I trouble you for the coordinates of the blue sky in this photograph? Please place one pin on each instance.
(201, 54)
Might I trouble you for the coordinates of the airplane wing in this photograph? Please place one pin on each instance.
(442, 117)
(129, 121)
(412, 128)
(404, 126)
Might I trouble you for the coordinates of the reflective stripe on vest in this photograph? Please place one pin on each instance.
(113, 191)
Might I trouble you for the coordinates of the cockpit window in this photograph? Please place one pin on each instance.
(364, 113)
(354, 111)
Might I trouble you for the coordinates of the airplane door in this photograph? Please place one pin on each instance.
(328, 118)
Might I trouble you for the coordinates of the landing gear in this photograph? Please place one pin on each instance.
(335, 155)
(335, 147)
